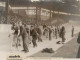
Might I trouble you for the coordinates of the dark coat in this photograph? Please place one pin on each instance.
(78, 54)
(23, 31)
(33, 33)
(16, 30)
(39, 31)
(78, 39)
(50, 31)
(62, 32)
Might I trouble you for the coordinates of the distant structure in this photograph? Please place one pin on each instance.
(50, 0)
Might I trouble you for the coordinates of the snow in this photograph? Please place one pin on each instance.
(6, 48)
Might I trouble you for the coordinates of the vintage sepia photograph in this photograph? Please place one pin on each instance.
(39, 28)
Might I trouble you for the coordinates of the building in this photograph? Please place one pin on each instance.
(50, 0)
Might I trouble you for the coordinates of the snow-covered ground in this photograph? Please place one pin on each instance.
(5, 41)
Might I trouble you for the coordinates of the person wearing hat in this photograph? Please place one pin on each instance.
(24, 36)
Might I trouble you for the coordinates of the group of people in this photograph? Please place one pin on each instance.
(34, 33)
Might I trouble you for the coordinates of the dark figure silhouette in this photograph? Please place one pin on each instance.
(56, 33)
(34, 36)
(72, 31)
(24, 35)
(63, 34)
(78, 40)
(50, 32)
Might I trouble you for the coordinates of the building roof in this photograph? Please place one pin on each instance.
(68, 6)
